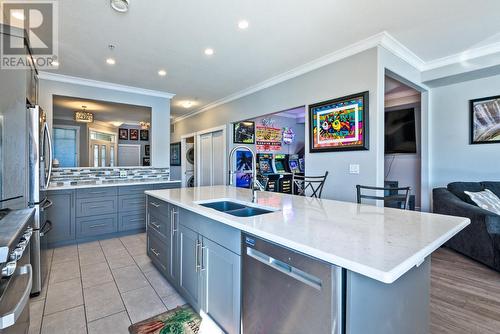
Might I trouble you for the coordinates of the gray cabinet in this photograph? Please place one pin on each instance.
(97, 212)
(220, 270)
(189, 266)
(62, 216)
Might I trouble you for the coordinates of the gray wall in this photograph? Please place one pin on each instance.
(453, 158)
(160, 111)
(143, 143)
(355, 74)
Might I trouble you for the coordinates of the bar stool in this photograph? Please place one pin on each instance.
(300, 184)
(394, 195)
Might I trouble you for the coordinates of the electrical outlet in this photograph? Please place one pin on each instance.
(123, 173)
(353, 169)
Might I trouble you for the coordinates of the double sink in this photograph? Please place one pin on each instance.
(236, 209)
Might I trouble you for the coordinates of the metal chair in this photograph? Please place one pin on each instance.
(391, 195)
(300, 184)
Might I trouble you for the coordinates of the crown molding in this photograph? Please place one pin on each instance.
(464, 56)
(398, 49)
(363, 45)
(102, 84)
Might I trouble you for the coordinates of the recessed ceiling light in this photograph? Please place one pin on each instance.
(186, 104)
(116, 124)
(162, 73)
(209, 51)
(120, 5)
(18, 14)
(243, 24)
(111, 61)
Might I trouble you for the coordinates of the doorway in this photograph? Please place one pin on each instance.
(102, 148)
(403, 138)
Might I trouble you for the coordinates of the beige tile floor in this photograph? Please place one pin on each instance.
(101, 287)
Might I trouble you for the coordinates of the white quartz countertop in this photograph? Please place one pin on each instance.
(380, 243)
(118, 183)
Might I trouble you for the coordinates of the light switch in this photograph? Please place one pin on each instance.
(123, 173)
(353, 169)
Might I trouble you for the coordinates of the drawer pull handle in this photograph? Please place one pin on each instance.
(97, 225)
(96, 207)
(156, 205)
(155, 252)
(155, 225)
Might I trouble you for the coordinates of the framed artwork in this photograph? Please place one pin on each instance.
(175, 154)
(146, 161)
(147, 150)
(244, 132)
(145, 135)
(123, 134)
(339, 124)
(134, 134)
(485, 120)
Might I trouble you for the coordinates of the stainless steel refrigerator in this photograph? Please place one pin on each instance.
(40, 169)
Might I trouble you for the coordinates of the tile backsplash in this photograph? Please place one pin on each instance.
(74, 176)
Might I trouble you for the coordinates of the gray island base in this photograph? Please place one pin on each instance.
(207, 256)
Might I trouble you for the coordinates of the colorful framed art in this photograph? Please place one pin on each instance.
(485, 120)
(340, 124)
(244, 132)
(144, 134)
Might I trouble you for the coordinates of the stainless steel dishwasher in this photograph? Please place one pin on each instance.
(288, 292)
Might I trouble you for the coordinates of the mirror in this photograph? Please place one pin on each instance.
(92, 133)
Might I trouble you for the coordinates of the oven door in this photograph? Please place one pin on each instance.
(14, 302)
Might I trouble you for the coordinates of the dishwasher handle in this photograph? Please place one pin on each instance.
(285, 268)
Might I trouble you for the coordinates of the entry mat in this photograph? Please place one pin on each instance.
(181, 320)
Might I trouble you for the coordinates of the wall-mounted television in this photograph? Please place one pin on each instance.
(400, 131)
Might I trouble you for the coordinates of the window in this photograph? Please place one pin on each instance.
(102, 136)
(66, 146)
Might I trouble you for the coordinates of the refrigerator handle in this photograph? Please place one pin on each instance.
(49, 139)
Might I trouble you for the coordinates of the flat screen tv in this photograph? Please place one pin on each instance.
(400, 135)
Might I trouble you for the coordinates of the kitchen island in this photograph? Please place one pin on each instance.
(379, 257)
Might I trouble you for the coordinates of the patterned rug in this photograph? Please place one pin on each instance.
(181, 320)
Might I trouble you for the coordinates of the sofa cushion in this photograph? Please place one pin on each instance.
(493, 186)
(458, 188)
(486, 199)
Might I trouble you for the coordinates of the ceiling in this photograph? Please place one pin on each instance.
(64, 107)
(283, 34)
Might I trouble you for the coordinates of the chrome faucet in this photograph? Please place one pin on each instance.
(255, 185)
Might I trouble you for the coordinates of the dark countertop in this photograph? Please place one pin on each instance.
(11, 226)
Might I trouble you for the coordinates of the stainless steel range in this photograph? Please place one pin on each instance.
(16, 278)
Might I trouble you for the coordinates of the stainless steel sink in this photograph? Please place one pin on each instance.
(236, 209)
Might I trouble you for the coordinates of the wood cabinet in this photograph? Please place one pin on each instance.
(203, 260)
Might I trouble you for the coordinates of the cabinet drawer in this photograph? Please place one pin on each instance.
(96, 206)
(135, 189)
(159, 223)
(96, 192)
(157, 251)
(132, 203)
(132, 220)
(90, 226)
(157, 207)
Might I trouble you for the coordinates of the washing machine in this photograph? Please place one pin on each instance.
(189, 165)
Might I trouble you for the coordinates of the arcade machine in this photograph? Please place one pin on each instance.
(281, 167)
(266, 173)
(294, 164)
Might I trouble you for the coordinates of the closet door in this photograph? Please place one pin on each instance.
(205, 162)
(212, 162)
(218, 161)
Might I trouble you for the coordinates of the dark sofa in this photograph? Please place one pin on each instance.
(481, 239)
